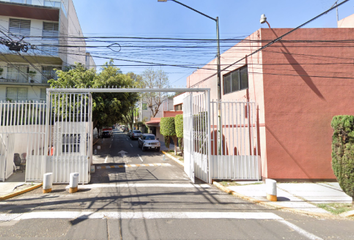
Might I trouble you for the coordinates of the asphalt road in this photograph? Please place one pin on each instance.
(137, 195)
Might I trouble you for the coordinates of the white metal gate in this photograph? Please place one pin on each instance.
(196, 136)
(69, 136)
(22, 131)
(234, 152)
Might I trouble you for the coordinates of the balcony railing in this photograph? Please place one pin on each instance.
(46, 3)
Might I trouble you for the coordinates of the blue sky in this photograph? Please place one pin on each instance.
(153, 19)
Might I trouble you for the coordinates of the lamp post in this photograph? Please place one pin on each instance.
(218, 85)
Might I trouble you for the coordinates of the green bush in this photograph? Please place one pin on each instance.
(167, 126)
(179, 125)
(343, 152)
(179, 130)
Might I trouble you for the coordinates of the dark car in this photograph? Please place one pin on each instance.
(106, 134)
(135, 134)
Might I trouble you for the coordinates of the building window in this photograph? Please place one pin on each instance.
(16, 93)
(236, 80)
(43, 94)
(20, 27)
(71, 143)
(18, 73)
(50, 35)
(48, 73)
(145, 106)
(178, 107)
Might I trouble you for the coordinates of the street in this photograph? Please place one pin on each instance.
(138, 195)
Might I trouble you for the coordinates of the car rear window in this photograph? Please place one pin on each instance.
(150, 138)
(136, 131)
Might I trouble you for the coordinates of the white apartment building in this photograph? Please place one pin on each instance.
(52, 29)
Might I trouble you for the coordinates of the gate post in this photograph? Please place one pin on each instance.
(209, 136)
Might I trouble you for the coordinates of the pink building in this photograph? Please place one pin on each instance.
(298, 84)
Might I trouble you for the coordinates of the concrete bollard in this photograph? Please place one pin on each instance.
(271, 186)
(47, 182)
(74, 182)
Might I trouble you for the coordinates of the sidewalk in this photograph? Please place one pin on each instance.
(295, 197)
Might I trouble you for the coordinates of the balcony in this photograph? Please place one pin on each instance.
(32, 9)
(45, 3)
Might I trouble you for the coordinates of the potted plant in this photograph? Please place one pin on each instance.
(32, 74)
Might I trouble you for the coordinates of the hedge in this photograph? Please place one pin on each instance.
(343, 152)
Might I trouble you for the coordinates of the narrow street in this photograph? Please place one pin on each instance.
(137, 195)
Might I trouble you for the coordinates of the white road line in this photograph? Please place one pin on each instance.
(140, 215)
(300, 230)
(131, 145)
(140, 158)
(142, 185)
(105, 160)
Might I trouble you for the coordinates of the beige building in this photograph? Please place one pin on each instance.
(49, 29)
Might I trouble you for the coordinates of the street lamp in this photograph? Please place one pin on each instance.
(264, 20)
(218, 84)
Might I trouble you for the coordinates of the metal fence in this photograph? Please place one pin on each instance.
(69, 136)
(196, 136)
(234, 137)
(22, 132)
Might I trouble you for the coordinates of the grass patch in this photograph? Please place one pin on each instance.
(232, 183)
(336, 208)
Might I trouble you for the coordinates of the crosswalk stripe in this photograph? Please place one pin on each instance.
(134, 165)
(143, 185)
(140, 215)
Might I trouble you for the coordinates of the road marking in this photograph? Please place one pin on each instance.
(105, 160)
(135, 165)
(110, 146)
(131, 145)
(140, 215)
(140, 158)
(300, 230)
(141, 185)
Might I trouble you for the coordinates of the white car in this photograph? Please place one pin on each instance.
(148, 141)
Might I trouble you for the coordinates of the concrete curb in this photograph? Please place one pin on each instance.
(14, 194)
(271, 204)
(173, 158)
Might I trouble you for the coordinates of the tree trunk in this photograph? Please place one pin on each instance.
(175, 143)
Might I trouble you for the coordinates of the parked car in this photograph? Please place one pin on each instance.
(148, 141)
(135, 134)
(106, 134)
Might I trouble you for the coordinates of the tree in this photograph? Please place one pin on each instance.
(168, 129)
(343, 152)
(154, 79)
(179, 130)
(107, 108)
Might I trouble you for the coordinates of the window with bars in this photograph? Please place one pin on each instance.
(16, 93)
(19, 27)
(18, 73)
(236, 80)
(71, 143)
